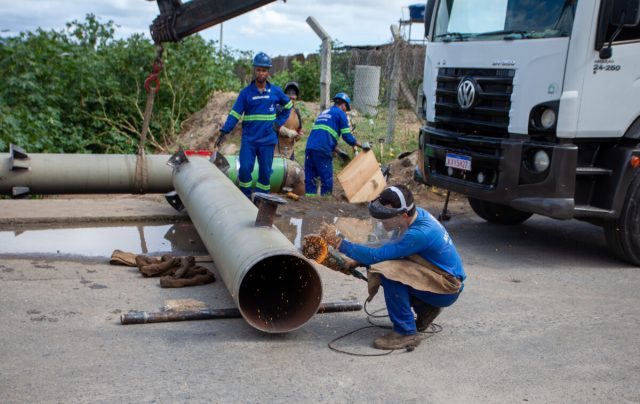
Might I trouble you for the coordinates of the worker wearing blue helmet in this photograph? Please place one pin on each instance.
(330, 125)
(261, 121)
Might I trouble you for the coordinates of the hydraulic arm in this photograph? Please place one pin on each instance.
(178, 20)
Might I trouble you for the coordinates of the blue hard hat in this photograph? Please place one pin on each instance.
(345, 98)
(262, 60)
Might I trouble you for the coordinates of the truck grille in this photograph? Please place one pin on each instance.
(489, 115)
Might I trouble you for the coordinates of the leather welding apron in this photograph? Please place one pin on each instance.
(285, 144)
(418, 273)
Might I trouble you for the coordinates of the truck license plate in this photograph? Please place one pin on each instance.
(458, 161)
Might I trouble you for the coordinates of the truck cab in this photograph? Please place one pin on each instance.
(533, 107)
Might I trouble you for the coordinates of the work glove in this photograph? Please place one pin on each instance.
(220, 140)
(331, 235)
(286, 132)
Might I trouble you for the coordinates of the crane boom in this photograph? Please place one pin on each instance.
(178, 20)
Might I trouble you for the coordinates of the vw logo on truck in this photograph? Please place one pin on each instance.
(467, 93)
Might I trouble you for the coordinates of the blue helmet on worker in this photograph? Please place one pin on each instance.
(344, 98)
(262, 60)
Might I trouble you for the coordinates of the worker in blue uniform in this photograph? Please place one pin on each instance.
(330, 125)
(261, 121)
(419, 268)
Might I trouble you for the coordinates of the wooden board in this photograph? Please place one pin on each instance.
(362, 179)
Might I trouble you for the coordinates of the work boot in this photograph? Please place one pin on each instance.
(393, 340)
(426, 317)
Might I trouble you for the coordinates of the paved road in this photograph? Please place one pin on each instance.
(546, 316)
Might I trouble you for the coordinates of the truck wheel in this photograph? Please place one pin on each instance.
(498, 214)
(623, 234)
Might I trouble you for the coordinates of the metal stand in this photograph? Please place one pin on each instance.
(444, 216)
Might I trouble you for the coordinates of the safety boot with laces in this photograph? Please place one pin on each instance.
(393, 340)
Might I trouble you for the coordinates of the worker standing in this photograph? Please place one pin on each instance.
(291, 131)
(256, 106)
(420, 268)
(330, 125)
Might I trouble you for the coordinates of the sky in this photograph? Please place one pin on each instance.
(279, 28)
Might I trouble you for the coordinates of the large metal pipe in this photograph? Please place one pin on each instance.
(143, 317)
(81, 174)
(273, 285)
(46, 174)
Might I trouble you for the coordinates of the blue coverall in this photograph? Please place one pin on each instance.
(258, 134)
(323, 139)
(427, 238)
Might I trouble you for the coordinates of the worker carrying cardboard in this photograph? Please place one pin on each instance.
(256, 106)
(330, 125)
(291, 131)
(419, 268)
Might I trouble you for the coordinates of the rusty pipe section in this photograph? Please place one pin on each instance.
(143, 317)
(275, 288)
(42, 174)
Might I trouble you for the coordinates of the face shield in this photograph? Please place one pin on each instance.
(391, 219)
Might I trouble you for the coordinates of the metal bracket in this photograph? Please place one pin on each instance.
(267, 206)
(174, 200)
(19, 158)
(19, 192)
(178, 159)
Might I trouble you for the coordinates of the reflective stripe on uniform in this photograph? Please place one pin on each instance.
(326, 129)
(289, 105)
(244, 184)
(344, 130)
(263, 187)
(248, 118)
(235, 114)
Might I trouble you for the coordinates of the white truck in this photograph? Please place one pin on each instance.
(533, 106)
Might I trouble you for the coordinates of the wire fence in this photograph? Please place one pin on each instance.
(345, 59)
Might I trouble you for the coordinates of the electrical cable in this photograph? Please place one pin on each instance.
(433, 329)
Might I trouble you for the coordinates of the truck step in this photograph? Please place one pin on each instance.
(588, 170)
(592, 211)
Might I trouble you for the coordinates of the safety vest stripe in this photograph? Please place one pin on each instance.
(248, 118)
(263, 187)
(289, 105)
(310, 194)
(327, 129)
(245, 184)
(235, 114)
(344, 130)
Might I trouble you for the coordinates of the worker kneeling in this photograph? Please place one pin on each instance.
(419, 268)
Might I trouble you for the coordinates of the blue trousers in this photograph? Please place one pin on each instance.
(318, 165)
(248, 154)
(398, 298)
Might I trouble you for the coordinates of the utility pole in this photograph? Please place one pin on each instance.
(325, 61)
(221, 37)
(394, 84)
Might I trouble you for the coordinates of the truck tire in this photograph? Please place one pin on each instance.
(623, 234)
(498, 214)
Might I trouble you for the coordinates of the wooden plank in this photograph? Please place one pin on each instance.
(362, 179)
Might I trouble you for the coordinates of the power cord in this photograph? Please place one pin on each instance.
(433, 329)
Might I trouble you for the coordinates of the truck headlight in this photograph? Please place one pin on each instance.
(548, 118)
(540, 161)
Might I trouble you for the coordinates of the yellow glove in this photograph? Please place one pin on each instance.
(331, 235)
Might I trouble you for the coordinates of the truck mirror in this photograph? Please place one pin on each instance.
(428, 15)
(625, 13)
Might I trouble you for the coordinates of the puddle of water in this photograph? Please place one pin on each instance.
(152, 239)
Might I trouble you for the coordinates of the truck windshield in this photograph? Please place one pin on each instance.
(469, 20)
